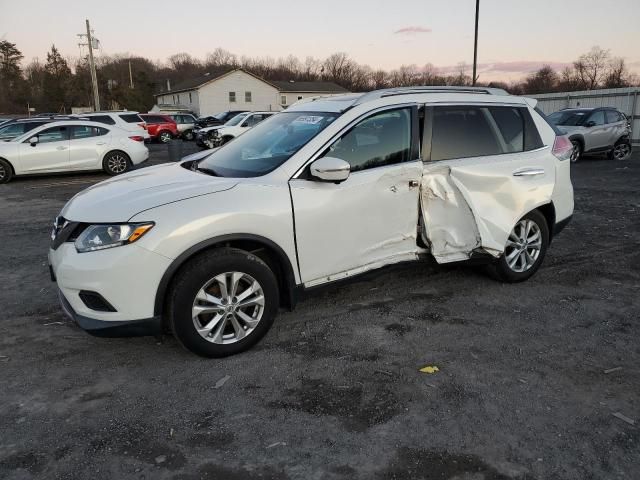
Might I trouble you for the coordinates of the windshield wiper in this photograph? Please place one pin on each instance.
(208, 171)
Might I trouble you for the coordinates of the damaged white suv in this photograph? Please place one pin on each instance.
(212, 247)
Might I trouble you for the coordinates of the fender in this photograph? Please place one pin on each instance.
(288, 280)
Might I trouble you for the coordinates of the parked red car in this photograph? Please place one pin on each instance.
(160, 127)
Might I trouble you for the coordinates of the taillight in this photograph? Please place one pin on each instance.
(137, 138)
(562, 148)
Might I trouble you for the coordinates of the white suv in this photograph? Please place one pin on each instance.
(216, 136)
(212, 247)
(126, 120)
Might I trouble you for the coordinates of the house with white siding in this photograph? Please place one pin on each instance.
(237, 89)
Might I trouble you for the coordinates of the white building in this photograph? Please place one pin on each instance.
(238, 89)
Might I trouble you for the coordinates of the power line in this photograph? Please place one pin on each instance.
(91, 43)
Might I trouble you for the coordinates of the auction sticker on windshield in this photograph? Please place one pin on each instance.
(310, 119)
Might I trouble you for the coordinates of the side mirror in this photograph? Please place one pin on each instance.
(34, 141)
(330, 169)
(590, 124)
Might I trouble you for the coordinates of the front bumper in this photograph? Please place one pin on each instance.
(102, 328)
(126, 277)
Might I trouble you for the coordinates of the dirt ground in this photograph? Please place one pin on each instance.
(334, 390)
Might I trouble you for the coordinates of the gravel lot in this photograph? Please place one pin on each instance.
(334, 391)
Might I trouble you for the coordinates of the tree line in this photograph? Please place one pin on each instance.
(129, 82)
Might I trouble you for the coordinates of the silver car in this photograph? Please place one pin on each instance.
(595, 131)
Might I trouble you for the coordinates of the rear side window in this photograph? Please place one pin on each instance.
(462, 132)
(131, 118)
(597, 118)
(106, 119)
(85, 131)
(154, 119)
(612, 117)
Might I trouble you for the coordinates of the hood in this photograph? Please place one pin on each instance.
(122, 197)
(199, 155)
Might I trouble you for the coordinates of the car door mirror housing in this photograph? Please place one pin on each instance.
(34, 141)
(330, 169)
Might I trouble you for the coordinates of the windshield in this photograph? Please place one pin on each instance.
(236, 120)
(569, 118)
(266, 146)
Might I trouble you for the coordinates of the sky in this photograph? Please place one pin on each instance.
(515, 36)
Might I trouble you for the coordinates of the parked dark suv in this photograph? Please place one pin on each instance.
(595, 130)
(217, 119)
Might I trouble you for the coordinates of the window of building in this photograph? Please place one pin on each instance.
(283, 99)
(190, 99)
(299, 97)
(178, 98)
(232, 97)
(247, 97)
(379, 140)
(174, 99)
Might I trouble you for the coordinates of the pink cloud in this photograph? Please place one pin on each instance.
(412, 30)
(511, 69)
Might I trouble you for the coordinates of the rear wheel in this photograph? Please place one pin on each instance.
(164, 136)
(576, 153)
(115, 163)
(222, 302)
(525, 249)
(6, 172)
(621, 150)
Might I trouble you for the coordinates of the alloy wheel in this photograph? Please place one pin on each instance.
(621, 151)
(228, 307)
(117, 163)
(165, 137)
(3, 172)
(523, 246)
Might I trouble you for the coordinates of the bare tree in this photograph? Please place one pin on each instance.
(617, 75)
(544, 80)
(591, 67)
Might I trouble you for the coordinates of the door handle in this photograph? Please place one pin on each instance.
(101, 143)
(61, 148)
(528, 172)
(413, 183)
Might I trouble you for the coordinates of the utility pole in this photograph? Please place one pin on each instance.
(130, 76)
(475, 45)
(92, 66)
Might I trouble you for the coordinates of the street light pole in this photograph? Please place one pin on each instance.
(92, 66)
(475, 45)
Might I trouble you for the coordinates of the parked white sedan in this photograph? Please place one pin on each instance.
(71, 145)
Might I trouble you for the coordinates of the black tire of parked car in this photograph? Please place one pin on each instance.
(116, 162)
(576, 153)
(500, 269)
(621, 150)
(6, 171)
(194, 275)
(188, 135)
(164, 136)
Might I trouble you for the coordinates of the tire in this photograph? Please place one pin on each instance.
(115, 163)
(576, 153)
(164, 136)
(621, 150)
(504, 269)
(201, 279)
(6, 171)
(188, 135)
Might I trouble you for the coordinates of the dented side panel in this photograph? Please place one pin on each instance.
(474, 203)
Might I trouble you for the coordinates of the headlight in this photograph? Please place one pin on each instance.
(100, 237)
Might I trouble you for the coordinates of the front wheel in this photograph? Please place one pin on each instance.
(115, 163)
(222, 302)
(6, 172)
(525, 249)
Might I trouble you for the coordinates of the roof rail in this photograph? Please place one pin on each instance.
(389, 92)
